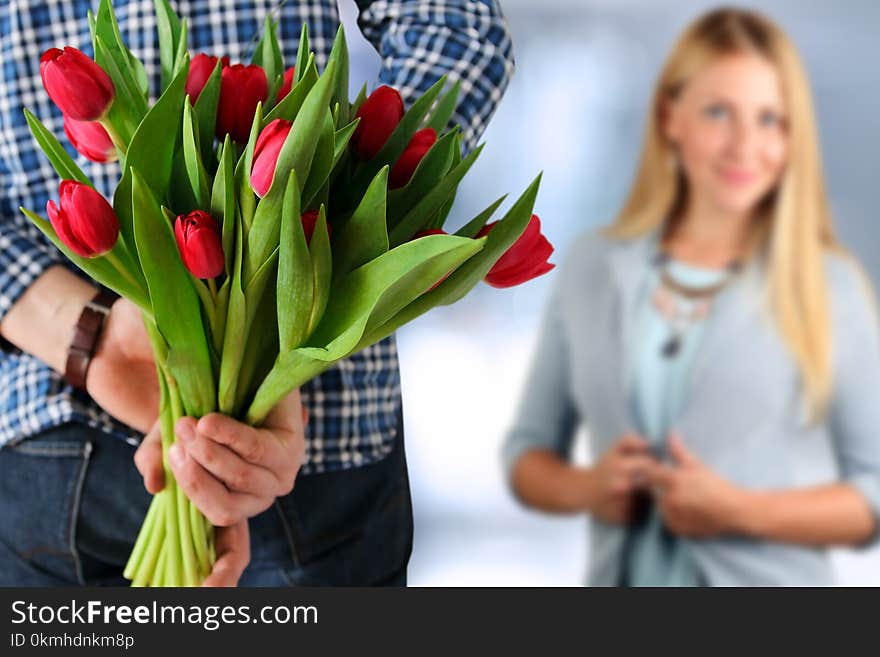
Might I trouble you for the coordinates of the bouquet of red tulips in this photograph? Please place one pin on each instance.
(311, 227)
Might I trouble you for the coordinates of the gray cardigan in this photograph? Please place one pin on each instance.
(743, 416)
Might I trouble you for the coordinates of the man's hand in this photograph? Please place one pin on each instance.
(229, 470)
(693, 500)
(233, 548)
(122, 377)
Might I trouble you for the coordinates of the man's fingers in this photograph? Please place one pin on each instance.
(221, 506)
(233, 555)
(148, 460)
(251, 444)
(237, 474)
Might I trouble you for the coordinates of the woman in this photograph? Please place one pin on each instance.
(718, 343)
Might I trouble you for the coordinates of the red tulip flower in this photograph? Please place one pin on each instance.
(266, 152)
(83, 219)
(90, 139)
(198, 239)
(379, 115)
(434, 231)
(287, 86)
(76, 84)
(241, 89)
(406, 164)
(309, 220)
(524, 260)
(200, 69)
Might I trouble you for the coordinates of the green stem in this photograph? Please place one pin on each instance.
(117, 139)
(172, 530)
(145, 536)
(147, 567)
(185, 537)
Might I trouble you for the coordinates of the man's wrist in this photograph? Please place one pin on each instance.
(86, 336)
(41, 321)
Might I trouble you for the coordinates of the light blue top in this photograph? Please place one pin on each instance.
(743, 410)
(652, 555)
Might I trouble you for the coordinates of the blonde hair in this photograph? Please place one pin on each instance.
(795, 225)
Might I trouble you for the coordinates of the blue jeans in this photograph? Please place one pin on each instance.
(71, 504)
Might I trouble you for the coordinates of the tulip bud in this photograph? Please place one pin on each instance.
(524, 260)
(309, 220)
(83, 219)
(379, 115)
(90, 139)
(287, 86)
(406, 164)
(200, 69)
(425, 233)
(76, 84)
(199, 242)
(241, 89)
(266, 152)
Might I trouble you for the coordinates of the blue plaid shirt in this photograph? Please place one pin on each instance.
(353, 406)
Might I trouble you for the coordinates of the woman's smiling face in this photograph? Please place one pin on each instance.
(729, 127)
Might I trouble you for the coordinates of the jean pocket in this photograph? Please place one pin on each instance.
(41, 482)
(350, 527)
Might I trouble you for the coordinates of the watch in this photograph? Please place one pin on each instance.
(85, 337)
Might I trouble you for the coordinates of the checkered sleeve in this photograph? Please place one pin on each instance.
(420, 40)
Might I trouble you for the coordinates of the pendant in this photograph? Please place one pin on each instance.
(671, 347)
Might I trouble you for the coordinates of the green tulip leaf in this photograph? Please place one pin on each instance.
(268, 55)
(339, 55)
(419, 216)
(471, 228)
(322, 269)
(151, 152)
(466, 277)
(206, 112)
(168, 27)
(223, 207)
(302, 140)
(322, 162)
(303, 54)
(61, 161)
(181, 57)
(247, 200)
(264, 233)
(430, 171)
(175, 303)
(235, 334)
(343, 136)
(195, 169)
(113, 56)
(360, 295)
(290, 105)
(440, 117)
(295, 290)
(364, 237)
(359, 100)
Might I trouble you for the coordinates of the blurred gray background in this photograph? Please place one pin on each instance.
(575, 109)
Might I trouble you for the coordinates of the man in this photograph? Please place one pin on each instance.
(70, 501)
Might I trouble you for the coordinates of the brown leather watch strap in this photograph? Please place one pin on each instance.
(85, 337)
